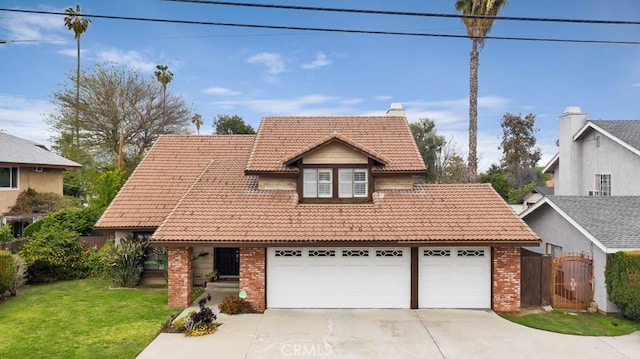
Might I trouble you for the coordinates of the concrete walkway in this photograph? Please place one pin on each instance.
(384, 333)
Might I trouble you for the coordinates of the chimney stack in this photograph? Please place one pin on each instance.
(395, 109)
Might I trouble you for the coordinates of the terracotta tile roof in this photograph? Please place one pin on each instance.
(164, 176)
(282, 138)
(224, 205)
(333, 137)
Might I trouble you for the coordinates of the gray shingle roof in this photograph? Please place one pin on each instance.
(614, 221)
(626, 130)
(17, 150)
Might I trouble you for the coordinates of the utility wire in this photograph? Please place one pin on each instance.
(408, 13)
(319, 29)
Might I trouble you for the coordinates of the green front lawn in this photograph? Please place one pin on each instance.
(81, 319)
(593, 324)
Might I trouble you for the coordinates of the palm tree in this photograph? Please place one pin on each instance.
(73, 21)
(164, 76)
(197, 121)
(477, 30)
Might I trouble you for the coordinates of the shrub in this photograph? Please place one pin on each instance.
(197, 323)
(622, 276)
(235, 305)
(79, 220)
(31, 201)
(6, 233)
(19, 275)
(95, 260)
(124, 262)
(53, 255)
(7, 271)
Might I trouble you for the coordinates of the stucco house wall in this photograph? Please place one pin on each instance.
(604, 156)
(48, 181)
(554, 229)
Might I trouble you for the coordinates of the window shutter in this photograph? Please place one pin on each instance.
(345, 183)
(324, 183)
(360, 183)
(310, 183)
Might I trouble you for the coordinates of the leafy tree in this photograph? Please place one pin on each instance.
(164, 76)
(73, 21)
(106, 186)
(477, 30)
(520, 154)
(110, 97)
(455, 171)
(231, 125)
(498, 179)
(197, 121)
(430, 145)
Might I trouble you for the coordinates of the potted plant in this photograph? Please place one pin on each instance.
(212, 276)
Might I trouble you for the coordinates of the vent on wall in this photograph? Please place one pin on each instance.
(37, 169)
(594, 193)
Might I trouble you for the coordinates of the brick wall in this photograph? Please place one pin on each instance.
(179, 277)
(506, 279)
(252, 276)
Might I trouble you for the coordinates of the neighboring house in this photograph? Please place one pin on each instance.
(23, 165)
(594, 226)
(537, 193)
(323, 212)
(596, 157)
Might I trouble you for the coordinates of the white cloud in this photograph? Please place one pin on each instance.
(321, 60)
(36, 27)
(308, 105)
(73, 52)
(25, 118)
(220, 91)
(272, 61)
(637, 84)
(383, 98)
(130, 58)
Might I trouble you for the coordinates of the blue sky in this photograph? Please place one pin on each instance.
(257, 72)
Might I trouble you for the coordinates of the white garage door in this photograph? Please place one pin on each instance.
(454, 277)
(338, 277)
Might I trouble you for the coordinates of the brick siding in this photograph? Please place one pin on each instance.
(252, 276)
(179, 277)
(506, 279)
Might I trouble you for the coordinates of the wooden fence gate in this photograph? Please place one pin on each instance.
(572, 283)
(535, 287)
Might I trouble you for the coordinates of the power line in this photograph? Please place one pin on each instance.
(408, 13)
(319, 29)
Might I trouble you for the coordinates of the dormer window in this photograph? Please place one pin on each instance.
(318, 183)
(352, 182)
(337, 183)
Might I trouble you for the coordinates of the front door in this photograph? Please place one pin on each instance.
(228, 261)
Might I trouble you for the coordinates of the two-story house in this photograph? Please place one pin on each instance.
(25, 164)
(596, 199)
(323, 212)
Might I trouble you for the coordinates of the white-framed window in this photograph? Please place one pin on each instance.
(603, 184)
(318, 183)
(553, 250)
(352, 182)
(9, 178)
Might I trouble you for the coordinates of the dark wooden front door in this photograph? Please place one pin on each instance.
(228, 261)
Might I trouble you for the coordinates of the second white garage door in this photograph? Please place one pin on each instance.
(454, 277)
(338, 277)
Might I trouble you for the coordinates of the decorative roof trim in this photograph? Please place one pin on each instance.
(591, 125)
(567, 218)
(331, 138)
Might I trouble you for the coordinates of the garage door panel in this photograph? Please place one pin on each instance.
(454, 277)
(350, 279)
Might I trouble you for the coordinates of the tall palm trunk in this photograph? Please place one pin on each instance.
(473, 111)
(77, 122)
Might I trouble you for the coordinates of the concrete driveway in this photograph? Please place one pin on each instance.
(379, 333)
